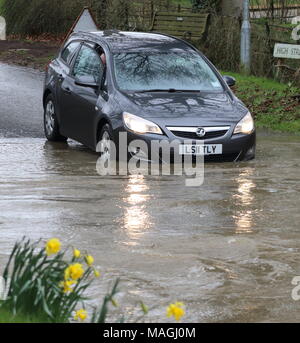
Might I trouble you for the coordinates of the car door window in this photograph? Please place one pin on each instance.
(67, 53)
(88, 63)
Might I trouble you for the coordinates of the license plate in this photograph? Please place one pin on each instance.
(202, 150)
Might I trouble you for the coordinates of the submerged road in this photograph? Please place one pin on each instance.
(229, 249)
(21, 109)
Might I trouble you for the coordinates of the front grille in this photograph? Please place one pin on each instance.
(193, 135)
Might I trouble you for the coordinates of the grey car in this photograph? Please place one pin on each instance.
(150, 85)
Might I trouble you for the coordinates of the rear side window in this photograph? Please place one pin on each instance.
(68, 51)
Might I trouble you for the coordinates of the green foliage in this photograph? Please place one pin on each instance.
(205, 4)
(42, 285)
(183, 3)
(37, 17)
(99, 315)
(268, 3)
(34, 17)
(7, 317)
(32, 282)
(274, 105)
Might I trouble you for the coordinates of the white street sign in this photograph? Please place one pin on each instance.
(287, 51)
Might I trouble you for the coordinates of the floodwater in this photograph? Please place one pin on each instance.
(228, 249)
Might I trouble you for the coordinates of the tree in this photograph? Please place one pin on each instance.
(36, 17)
(232, 8)
(211, 5)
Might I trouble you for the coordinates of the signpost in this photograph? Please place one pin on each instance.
(281, 51)
(246, 39)
(287, 51)
(2, 29)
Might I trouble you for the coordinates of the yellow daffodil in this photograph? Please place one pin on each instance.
(67, 286)
(53, 246)
(115, 304)
(96, 273)
(176, 310)
(89, 260)
(80, 315)
(76, 253)
(74, 271)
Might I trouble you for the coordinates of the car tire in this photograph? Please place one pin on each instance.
(51, 125)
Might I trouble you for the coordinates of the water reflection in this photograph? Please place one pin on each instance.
(244, 200)
(136, 218)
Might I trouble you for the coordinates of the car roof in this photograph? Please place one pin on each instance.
(121, 41)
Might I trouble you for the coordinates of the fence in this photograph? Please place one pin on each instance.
(222, 46)
(276, 12)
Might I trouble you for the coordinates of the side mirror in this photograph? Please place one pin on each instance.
(86, 81)
(231, 81)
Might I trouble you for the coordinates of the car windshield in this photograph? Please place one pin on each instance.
(182, 71)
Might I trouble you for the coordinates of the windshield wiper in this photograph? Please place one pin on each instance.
(170, 90)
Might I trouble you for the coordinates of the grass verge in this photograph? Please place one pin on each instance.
(28, 53)
(274, 105)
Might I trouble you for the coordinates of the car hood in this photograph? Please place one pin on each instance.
(186, 108)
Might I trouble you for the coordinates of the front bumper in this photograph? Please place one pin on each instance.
(239, 147)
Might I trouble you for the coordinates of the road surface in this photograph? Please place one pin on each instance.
(229, 249)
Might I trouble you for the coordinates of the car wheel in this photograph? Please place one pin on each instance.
(51, 126)
(105, 139)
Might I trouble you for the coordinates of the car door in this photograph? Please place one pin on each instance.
(78, 100)
(62, 68)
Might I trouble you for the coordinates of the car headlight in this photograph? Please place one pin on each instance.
(140, 125)
(245, 126)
